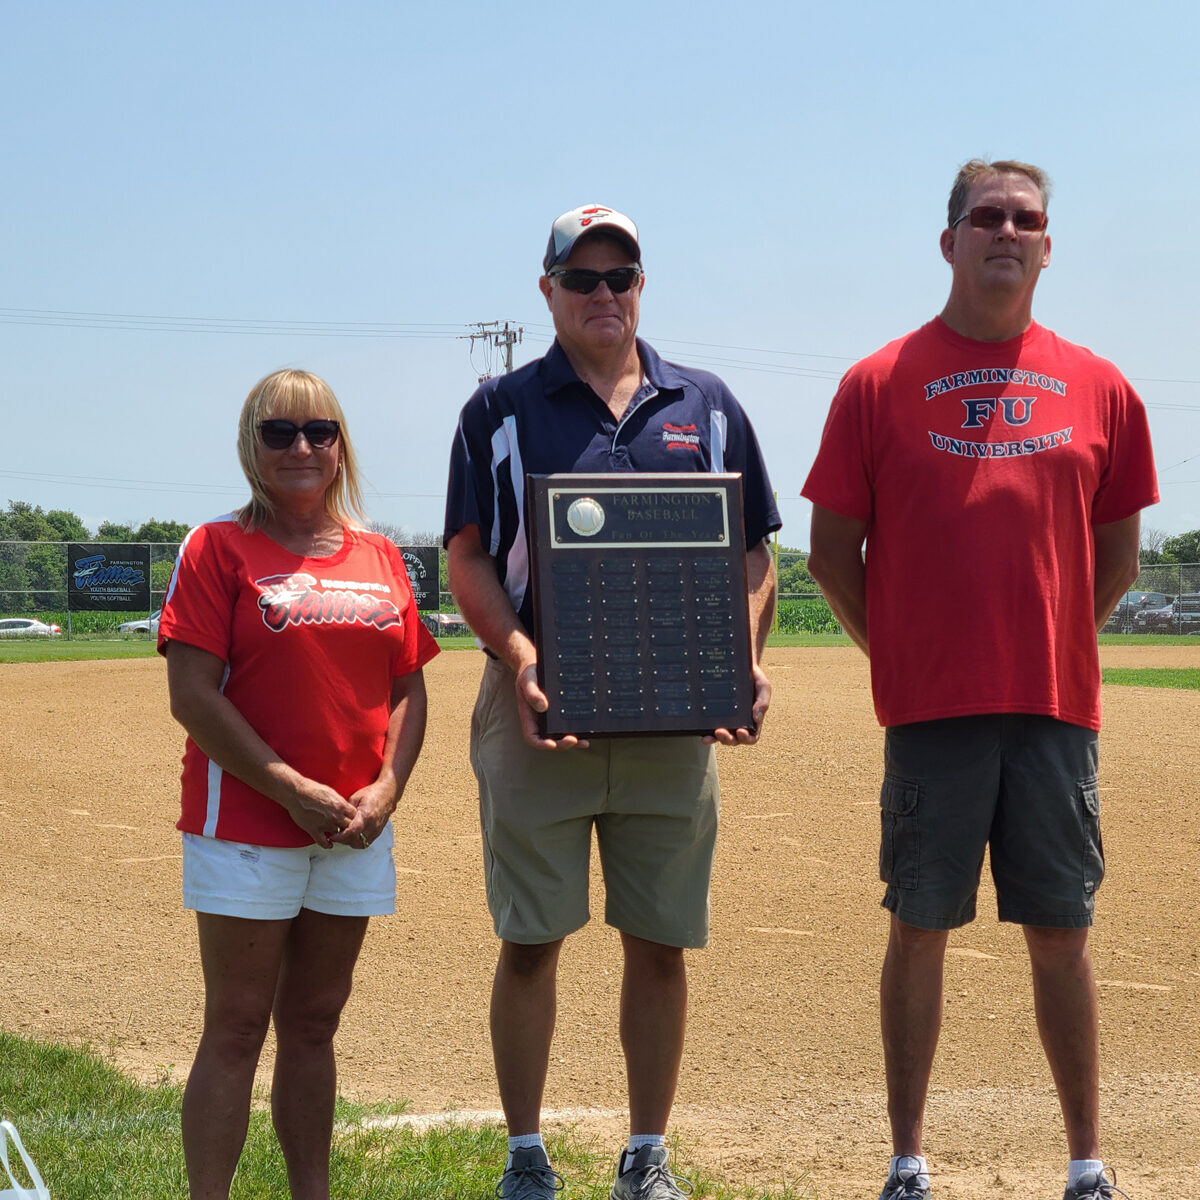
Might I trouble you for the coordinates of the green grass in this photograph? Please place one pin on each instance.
(1149, 639)
(60, 650)
(13, 650)
(95, 1134)
(1160, 677)
(808, 639)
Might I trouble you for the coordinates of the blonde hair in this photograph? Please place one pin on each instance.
(296, 396)
(979, 168)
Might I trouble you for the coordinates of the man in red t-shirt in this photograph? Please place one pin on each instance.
(996, 473)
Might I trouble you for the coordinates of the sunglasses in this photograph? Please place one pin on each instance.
(279, 435)
(579, 279)
(992, 216)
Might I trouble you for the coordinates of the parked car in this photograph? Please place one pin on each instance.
(1124, 616)
(145, 625)
(1182, 615)
(442, 624)
(1153, 620)
(1185, 616)
(27, 627)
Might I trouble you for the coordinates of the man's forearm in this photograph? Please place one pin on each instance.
(1117, 565)
(760, 591)
(836, 563)
(484, 603)
(846, 595)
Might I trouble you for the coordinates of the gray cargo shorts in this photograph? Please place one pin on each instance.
(1019, 785)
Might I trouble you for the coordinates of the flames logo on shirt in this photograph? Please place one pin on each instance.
(291, 600)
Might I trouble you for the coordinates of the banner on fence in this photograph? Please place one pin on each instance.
(113, 576)
(422, 565)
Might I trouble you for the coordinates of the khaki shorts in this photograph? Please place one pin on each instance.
(654, 802)
(1019, 785)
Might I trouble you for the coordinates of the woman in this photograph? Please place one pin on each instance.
(294, 658)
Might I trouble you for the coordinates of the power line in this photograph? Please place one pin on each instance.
(260, 327)
(155, 323)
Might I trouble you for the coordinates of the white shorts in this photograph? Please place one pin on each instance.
(273, 883)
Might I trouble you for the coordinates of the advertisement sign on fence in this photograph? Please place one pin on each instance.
(422, 564)
(112, 576)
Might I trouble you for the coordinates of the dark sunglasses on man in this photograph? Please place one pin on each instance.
(279, 435)
(579, 279)
(992, 216)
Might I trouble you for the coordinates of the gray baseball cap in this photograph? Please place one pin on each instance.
(571, 226)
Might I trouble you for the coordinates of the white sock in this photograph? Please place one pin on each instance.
(636, 1142)
(911, 1162)
(1077, 1166)
(523, 1141)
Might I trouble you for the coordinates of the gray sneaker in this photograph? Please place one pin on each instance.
(1095, 1185)
(902, 1185)
(648, 1177)
(529, 1177)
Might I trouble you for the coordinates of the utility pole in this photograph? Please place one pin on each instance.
(504, 336)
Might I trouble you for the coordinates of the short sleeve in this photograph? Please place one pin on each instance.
(199, 606)
(760, 512)
(470, 489)
(840, 478)
(1128, 483)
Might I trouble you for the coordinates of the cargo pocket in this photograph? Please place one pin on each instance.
(899, 843)
(1093, 844)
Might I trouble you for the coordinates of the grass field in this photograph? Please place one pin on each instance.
(1160, 677)
(95, 1134)
(60, 650)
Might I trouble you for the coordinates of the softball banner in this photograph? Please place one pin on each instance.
(422, 565)
(110, 576)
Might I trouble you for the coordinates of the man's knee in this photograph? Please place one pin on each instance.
(652, 959)
(913, 941)
(1051, 946)
(529, 962)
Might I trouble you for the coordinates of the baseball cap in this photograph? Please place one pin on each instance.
(571, 226)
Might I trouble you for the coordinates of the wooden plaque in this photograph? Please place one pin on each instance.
(640, 611)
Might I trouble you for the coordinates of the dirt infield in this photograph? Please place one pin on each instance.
(783, 1074)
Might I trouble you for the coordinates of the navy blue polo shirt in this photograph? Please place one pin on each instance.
(543, 418)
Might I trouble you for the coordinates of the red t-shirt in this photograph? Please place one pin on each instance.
(311, 646)
(980, 469)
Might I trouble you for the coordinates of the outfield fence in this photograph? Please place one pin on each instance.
(33, 583)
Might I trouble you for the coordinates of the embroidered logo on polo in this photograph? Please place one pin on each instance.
(299, 600)
(681, 437)
(1011, 411)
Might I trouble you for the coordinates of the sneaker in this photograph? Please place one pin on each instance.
(902, 1185)
(1095, 1185)
(529, 1177)
(648, 1177)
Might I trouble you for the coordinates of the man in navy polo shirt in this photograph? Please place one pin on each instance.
(600, 401)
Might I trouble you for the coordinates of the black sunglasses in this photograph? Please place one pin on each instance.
(579, 279)
(992, 216)
(279, 435)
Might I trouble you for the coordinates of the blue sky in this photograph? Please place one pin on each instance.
(390, 171)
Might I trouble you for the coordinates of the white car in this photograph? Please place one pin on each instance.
(442, 624)
(142, 626)
(27, 627)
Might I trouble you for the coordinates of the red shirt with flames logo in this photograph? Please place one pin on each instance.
(310, 646)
